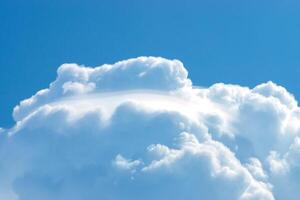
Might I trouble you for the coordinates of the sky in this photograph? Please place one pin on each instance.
(128, 100)
(238, 42)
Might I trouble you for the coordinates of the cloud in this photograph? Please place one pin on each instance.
(138, 129)
(140, 73)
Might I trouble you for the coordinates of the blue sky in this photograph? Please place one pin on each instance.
(137, 128)
(240, 42)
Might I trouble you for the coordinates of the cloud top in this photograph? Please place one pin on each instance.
(138, 73)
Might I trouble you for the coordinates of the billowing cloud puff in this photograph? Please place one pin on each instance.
(138, 129)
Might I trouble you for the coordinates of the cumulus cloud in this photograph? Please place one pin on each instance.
(139, 129)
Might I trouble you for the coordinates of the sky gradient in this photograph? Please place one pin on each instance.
(239, 42)
(130, 100)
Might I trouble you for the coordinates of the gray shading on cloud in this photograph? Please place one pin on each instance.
(139, 129)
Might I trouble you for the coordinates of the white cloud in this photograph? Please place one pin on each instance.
(138, 129)
(256, 169)
(123, 163)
